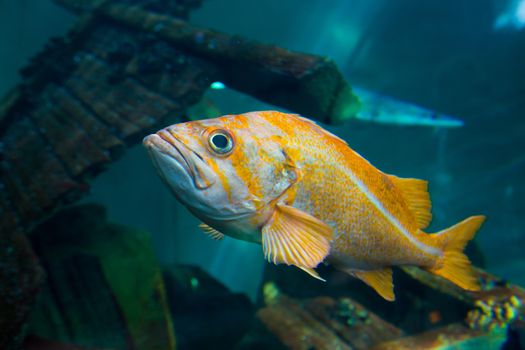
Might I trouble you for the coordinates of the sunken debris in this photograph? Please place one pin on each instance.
(129, 66)
(121, 72)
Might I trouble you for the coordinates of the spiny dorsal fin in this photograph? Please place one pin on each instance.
(416, 194)
(294, 237)
(380, 280)
(210, 231)
(323, 130)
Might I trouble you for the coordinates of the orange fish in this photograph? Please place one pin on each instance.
(283, 181)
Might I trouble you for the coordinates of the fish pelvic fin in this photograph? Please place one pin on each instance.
(294, 237)
(415, 193)
(312, 273)
(380, 280)
(211, 232)
(454, 265)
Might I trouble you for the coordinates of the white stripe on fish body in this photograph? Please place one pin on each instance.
(379, 206)
(337, 161)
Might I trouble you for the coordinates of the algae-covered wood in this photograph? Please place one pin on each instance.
(89, 95)
(104, 287)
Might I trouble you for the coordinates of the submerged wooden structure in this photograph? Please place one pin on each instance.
(125, 69)
(121, 72)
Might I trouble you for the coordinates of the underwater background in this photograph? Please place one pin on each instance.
(461, 58)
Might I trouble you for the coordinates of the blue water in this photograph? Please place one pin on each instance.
(462, 58)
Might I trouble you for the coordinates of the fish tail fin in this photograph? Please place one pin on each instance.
(454, 265)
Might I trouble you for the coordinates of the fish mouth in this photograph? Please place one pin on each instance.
(171, 146)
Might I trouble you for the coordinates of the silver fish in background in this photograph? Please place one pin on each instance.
(377, 108)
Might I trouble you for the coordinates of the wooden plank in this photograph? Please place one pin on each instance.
(101, 134)
(307, 84)
(297, 329)
(352, 321)
(87, 299)
(20, 277)
(72, 144)
(29, 163)
(120, 101)
(323, 322)
(157, 64)
(495, 292)
(455, 336)
(94, 97)
(8, 215)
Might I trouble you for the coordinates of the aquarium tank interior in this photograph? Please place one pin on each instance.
(121, 228)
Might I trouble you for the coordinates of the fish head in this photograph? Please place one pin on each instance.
(229, 169)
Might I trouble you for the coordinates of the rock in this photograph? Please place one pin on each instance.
(104, 287)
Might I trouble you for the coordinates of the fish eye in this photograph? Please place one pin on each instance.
(220, 141)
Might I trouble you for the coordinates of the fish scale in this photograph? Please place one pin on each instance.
(286, 183)
(327, 203)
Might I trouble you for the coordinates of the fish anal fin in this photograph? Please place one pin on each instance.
(210, 231)
(294, 237)
(416, 194)
(455, 265)
(380, 280)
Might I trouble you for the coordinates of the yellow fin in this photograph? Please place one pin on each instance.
(322, 130)
(455, 265)
(210, 231)
(312, 273)
(415, 192)
(293, 237)
(380, 280)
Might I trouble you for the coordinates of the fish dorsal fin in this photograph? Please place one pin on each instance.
(210, 231)
(380, 280)
(293, 237)
(322, 130)
(415, 192)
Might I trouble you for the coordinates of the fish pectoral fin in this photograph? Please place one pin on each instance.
(380, 280)
(293, 237)
(210, 231)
